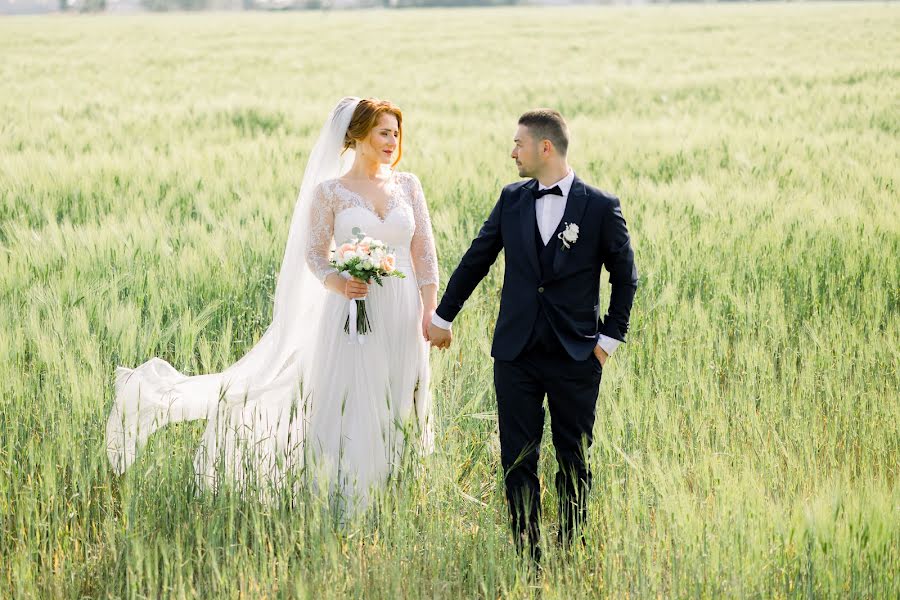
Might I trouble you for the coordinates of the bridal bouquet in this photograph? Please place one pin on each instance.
(366, 259)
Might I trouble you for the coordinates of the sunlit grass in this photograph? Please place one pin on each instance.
(747, 439)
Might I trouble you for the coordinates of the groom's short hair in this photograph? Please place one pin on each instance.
(547, 124)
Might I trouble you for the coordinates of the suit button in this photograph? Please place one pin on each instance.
(540, 290)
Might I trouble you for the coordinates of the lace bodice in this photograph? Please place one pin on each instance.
(405, 227)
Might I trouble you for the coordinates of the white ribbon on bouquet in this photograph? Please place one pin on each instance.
(355, 336)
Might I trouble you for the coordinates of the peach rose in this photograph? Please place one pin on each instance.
(364, 248)
(388, 264)
(344, 250)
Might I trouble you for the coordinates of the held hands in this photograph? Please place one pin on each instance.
(439, 338)
(426, 321)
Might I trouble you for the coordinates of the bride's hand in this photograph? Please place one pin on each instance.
(355, 288)
(426, 321)
(348, 288)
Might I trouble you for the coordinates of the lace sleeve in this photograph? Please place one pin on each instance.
(321, 232)
(422, 248)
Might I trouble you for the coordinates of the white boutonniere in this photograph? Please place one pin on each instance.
(569, 235)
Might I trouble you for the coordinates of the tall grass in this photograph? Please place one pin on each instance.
(747, 439)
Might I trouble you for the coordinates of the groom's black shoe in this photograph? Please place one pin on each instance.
(573, 482)
(525, 514)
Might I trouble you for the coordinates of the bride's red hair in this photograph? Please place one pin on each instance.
(366, 116)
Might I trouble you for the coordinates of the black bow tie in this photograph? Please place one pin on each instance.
(554, 191)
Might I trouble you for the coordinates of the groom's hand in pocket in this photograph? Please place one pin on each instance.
(440, 338)
(601, 355)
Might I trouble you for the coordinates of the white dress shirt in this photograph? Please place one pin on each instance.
(549, 210)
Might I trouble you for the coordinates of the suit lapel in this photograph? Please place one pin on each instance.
(576, 204)
(528, 218)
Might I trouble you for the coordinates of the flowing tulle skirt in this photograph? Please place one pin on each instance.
(345, 425)
(369, 400)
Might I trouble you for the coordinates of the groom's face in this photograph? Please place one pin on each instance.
(526, 152)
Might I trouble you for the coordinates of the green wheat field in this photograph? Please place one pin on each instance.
(747, 436)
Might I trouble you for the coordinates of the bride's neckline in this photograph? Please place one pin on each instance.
(388, 185)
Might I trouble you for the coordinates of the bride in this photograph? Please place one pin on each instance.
(339, 405)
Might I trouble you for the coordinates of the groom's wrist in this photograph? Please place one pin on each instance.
(607, 344)
(438, 321)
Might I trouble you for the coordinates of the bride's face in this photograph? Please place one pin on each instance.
(381, 142)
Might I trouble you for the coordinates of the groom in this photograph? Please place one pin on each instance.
(557, 232)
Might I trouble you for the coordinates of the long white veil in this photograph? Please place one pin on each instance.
(298, 294)
(155, 393)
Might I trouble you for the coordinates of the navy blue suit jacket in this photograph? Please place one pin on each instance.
(569, 294)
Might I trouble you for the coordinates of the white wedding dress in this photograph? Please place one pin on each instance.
(367, 398)
(308, 398)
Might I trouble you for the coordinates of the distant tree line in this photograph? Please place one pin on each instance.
(82, 5)
(415, 3)
(166, 5)
(198, 5)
